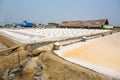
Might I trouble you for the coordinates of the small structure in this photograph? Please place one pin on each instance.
(84, 38)
(56, 46)
(108, 26)
(95, 24)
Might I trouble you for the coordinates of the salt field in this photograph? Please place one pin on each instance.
(38, 35)
(73, 48)
(101, 54)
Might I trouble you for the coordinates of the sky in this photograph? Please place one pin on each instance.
(45, 11)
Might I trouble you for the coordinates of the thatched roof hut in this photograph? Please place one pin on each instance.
(84, 24)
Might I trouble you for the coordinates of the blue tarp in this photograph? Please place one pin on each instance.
(18, 24)
(27, 24)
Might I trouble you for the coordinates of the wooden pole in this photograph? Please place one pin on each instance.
(18, 58)
(19, 64)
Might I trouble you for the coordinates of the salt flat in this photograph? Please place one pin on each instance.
(38, 35)
(101, 54)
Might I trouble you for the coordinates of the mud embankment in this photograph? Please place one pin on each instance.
(2, 46)
(9, 44)
(11, 63)
(43, 64)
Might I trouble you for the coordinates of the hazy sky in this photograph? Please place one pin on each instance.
(44, 11)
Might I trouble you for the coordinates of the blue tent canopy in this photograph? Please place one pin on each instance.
(17, 24)
(27, 24)
(24, 24)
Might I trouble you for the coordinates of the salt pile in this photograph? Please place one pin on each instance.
(38, 35)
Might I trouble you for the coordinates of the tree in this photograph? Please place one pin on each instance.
(102, 27)
(53, 24)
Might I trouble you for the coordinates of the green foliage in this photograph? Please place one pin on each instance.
(102, 27)
(116, 28)
(53, 24)
(40, 24)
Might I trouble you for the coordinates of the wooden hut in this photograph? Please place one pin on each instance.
(95, 24)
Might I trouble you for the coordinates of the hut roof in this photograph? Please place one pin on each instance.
(88, 23)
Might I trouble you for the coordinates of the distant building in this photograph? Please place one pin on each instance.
(95, 24)
(108, 26)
